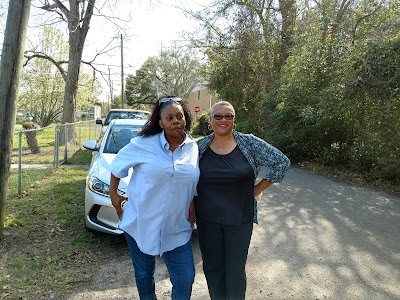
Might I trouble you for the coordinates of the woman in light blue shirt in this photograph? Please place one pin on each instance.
(155, 217)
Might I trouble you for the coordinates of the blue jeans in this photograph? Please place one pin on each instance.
(180, 265)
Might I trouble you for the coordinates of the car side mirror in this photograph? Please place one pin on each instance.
(99, 122)
(90, 145)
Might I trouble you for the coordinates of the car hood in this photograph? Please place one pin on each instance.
(101, 169)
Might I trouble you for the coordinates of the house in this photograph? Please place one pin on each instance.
(94, 112)
(23, 114)
(201, 99)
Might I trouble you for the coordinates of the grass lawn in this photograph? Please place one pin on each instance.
(29, 178)
(81, 157)
(45, 140)
(46, 251)
(32, 175)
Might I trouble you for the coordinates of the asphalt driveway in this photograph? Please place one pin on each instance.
(316, 239)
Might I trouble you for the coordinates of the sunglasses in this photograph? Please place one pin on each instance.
(167, 99)
(220, 117)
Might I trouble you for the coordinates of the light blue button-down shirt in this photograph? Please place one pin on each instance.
(159, 193)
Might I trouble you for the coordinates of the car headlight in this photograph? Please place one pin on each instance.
(99, 187)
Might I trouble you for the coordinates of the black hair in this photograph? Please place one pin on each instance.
(152, 126)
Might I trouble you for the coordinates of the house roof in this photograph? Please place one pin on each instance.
(199, 86)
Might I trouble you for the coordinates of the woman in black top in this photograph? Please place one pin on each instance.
(225, 205)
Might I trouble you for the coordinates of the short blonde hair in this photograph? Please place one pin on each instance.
(221, 103)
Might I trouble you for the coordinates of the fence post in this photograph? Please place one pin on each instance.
(56, 137)
(66, 143)
(20, 163)
(90, 130)
(80, 134)
(94, 127)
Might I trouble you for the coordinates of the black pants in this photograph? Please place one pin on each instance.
(224, 250)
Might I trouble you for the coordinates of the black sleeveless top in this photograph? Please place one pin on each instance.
(225, 189)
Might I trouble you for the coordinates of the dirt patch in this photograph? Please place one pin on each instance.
(114, 279)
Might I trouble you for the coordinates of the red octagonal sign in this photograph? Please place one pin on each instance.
(197, 109)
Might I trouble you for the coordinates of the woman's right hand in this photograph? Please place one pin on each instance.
(116, 201)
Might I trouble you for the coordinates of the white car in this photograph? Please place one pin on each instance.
(120, 113)
(100, 215)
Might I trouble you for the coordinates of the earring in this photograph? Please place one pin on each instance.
(234, 126)
(209, 127)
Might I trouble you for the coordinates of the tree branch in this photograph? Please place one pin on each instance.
(45, 56)
(61, 6)
(88, 16)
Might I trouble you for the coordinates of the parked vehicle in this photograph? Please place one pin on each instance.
(100, 215)
(119, 113)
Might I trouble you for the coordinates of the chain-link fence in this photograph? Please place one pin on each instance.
(36, 151)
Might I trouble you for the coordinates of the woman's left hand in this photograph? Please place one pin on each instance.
(259, 187)
(192, 218)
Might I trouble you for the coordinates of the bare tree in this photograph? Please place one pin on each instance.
(78, 17)
(174, 72)
(177, 70)
(10, 73)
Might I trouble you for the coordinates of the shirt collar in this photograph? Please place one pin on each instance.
(165, 144)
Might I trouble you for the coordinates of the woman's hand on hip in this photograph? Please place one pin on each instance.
(116, 198)
(259, 187)
(116, 201)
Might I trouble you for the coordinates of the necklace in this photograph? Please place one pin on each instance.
(225, 146)
(220, 148)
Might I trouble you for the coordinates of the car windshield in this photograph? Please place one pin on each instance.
(138, 115)
(119, 136)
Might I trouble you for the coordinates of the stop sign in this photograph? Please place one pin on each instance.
(197, 109)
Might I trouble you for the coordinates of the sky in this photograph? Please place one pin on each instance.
(153, 25)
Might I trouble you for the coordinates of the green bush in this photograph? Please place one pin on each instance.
(245, 126)
(334, 155)
(202, 125)
(387, 169)
(362, 159)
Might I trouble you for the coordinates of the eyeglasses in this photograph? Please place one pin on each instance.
(220, 117)
(167, 99)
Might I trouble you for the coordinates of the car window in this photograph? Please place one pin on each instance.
(126, 115)
(120, 136)
(141, 116)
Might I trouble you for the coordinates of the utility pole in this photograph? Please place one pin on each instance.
(122, 73)
(155, 85)
(110, 85)
(10, 73)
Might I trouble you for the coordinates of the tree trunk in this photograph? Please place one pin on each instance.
(288, 13)
(31, 138)
(78, 30)
(71, 84)
(10, 73)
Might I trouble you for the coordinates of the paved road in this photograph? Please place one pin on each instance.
(316, 239)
